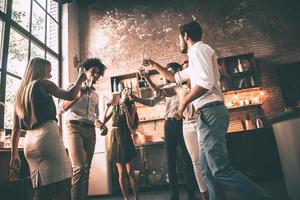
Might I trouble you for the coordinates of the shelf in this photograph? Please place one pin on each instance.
(246, 131)
(238, 71)
(242, 90)
(246, 106)
(248, 72)
(149, 120)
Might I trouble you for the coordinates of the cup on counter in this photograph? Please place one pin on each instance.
(247, 102)
(242, 102)
(137, 173)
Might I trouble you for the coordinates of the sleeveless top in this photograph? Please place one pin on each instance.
(39, 108)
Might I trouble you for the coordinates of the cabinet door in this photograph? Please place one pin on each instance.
(100, 175)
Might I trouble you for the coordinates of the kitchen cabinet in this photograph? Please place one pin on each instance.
(238, 72)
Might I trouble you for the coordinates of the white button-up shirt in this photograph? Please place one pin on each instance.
(84, 109)
(202, 71)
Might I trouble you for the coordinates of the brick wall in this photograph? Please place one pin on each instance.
(119, 33)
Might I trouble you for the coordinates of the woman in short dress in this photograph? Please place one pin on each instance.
(35, 112)
(122, 150)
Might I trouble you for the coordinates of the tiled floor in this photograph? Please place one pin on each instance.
(275, 187)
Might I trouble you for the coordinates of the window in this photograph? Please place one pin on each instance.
(38, 22)
(21, 12)
(17, 53)
(2, 5)
(34, 31)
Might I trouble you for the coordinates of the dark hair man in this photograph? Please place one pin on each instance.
(82, 113)
(213, 119)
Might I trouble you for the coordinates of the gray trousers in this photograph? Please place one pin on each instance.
(82, 142)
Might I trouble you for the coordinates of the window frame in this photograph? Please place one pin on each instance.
(7, 24)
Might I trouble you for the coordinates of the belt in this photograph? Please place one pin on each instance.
(208, 105)
(172, 119)
(82, 123)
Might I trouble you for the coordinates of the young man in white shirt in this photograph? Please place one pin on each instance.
(82, 113)
(213, 119)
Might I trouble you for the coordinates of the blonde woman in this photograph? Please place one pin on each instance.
(35, 112)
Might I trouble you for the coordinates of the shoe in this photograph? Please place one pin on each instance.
(204, 196)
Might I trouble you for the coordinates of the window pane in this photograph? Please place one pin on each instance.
(53, 9)
(42, 3)
(55, 68)
(17, 53)
(38, 22)
(54, 72)
(52, 34)
(2, 5)
(21, 12)
(12, 85)
(36, 51)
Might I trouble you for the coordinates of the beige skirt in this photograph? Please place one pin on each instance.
(46, 155)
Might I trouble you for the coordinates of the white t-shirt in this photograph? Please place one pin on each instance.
(202, 71)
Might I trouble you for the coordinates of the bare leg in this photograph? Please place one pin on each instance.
(133, 181)
(122, 180)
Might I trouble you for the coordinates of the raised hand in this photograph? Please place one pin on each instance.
(147, 62)
(82, 76)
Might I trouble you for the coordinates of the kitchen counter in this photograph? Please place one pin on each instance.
(286, 115)
(286, 129)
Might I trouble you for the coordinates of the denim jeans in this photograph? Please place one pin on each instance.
(218, 173)
(81, 142)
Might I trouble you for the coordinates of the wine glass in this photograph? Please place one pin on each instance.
(146, 55)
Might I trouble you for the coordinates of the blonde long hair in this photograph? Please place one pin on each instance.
(36, 69)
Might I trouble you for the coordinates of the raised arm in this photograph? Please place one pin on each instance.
(48, 87)
(163, 71)
(152, 101)
(147, 78)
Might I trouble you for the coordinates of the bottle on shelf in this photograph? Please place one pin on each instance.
(120, 87)
(240, 66)
(115, 86)
(252, 81)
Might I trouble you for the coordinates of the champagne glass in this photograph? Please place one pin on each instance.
(146, 55)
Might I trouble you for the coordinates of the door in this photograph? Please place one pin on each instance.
(100, 175)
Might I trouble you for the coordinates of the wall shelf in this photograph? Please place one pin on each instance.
(238, 72)
(245, 106)
(154, 119)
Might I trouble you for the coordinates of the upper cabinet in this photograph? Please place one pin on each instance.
(238, 72)
(137, 84)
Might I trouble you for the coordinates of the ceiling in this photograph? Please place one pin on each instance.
(85, 2)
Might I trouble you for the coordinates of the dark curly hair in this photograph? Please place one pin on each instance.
(94, 62)
(175, 66)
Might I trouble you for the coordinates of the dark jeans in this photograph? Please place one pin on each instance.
(173, 138)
